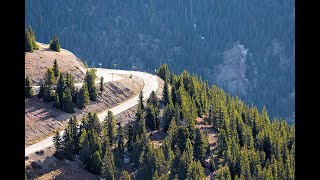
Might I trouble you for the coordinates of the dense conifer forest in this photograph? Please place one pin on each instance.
(249, 144)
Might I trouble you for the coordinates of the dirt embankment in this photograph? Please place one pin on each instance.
(43, 165)
(36, 63)
(42, 119)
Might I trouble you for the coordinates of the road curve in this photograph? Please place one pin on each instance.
(150, 84)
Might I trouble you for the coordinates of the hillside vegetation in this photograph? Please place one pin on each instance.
(249, 145)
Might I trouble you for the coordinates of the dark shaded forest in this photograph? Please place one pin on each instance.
(200, 36)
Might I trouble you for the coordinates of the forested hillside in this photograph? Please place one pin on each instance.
(244, 46)
(249, 146)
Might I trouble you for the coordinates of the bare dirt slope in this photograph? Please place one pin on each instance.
(46, 166)
(36, 63)
(42, 119)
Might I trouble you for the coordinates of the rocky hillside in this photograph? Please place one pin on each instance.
(36, 63)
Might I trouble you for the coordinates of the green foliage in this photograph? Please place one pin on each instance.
(28, 91)
(28, 47)
(152, 120)
(163, 72)
(223, 173)
(54, 44)
(125, 175)
(49, 81)
(166, 93)
(101, 85)
(83, 98)
(90, 80)
(140, 101)
(56, 101)
(58, 145)
(41, 92)
(199, 146)
(195, 171)
(30, 41)
(154, 100)
(168, 114)
(55, 68)
(110, 123)
(67, 104)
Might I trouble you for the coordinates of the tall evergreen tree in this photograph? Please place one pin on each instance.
(41, 92)
(140, 101)
(67, 104)
(33, 38)
(61, 86)
(58, 145)
(54, 44)
(199, 146)
(55, 68)
(90, 79)
(56, 101)
(108, 166)
(125, 175)
(195, 171)
(151, 118)
(163, 72)
(130, 138)
(28, 46)
(83, 98)
(28, 91)
(101, 85)
(166, 93)
(111, 125)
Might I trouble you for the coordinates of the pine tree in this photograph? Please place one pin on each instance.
(120, 146)
(58, 145)
(70, 84)
(199, 146)
(108, 166)
(212, 164)
(55, 68)
(33, 38)
(48, 85)
(130, 138)
(166, 93)
(28, 47)
(90, 80)
(141, 125)
(151, 118)
(111, 124)
(168, 114)
(83, 97)
(67, 144)
(56, 101)
(54, 44)
(140, 101)
(67, 104)
(223, 173)
(28, 91)
(41, 92)
(153, 99)
(96, 163)
(61, 86)
(125, 175)
(101, 85)
(195, 171)
(163, 72)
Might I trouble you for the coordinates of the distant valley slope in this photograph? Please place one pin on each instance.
(246, 47)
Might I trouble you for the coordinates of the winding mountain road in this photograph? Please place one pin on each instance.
(150, 84)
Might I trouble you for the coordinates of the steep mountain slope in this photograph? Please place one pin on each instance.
(245, 46)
